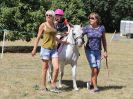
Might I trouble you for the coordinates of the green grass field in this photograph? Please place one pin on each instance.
(20, 75)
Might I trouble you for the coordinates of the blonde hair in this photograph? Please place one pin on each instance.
(96, 15)
(50, 12)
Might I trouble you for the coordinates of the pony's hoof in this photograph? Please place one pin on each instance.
(60, 86)
(76, 89)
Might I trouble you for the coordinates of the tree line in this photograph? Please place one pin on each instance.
(22, 17)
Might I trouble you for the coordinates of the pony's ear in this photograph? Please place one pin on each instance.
(70, 25)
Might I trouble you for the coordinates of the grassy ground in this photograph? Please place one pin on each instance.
(20, 75)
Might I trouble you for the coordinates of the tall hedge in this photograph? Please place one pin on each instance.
(22, 17)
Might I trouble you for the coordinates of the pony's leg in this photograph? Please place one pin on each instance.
(74, 66)
(61, 74)
(50, 72)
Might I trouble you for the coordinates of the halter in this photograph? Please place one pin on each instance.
(79, 37)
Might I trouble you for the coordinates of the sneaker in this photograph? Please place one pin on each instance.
(94, 90)
(55, 90)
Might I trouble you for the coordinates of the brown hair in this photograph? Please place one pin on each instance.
(96, 15)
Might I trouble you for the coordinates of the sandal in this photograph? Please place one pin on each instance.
(44, 89)
(94, 90)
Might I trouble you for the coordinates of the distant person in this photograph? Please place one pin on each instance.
(48, 49)
(96, 38)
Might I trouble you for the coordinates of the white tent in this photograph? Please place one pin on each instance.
(126, 27)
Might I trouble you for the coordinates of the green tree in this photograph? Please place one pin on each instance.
(103, 8)
(122, 10)
(22, 17)
(111, 11)
(74, 11)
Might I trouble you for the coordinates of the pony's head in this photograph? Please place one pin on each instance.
(78, 35)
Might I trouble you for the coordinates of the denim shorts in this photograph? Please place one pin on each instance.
(94, 58)
(48, 53)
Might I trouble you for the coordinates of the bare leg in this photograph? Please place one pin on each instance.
(94, 75)
(55, 62)
(44, 72)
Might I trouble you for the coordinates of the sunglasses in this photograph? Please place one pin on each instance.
(92, 18)
(58, 15)
(49, 15)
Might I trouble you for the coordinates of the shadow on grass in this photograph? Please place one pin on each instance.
(69, 84)
(115, 87)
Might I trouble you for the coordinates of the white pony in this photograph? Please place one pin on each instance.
(69, 54)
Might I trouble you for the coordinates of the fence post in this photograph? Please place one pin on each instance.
(3, 43)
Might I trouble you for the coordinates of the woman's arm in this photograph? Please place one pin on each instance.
(40, 31)
(68, 26)
(61, 41)
(104, 44)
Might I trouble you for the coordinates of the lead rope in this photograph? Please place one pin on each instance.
(107, 67)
